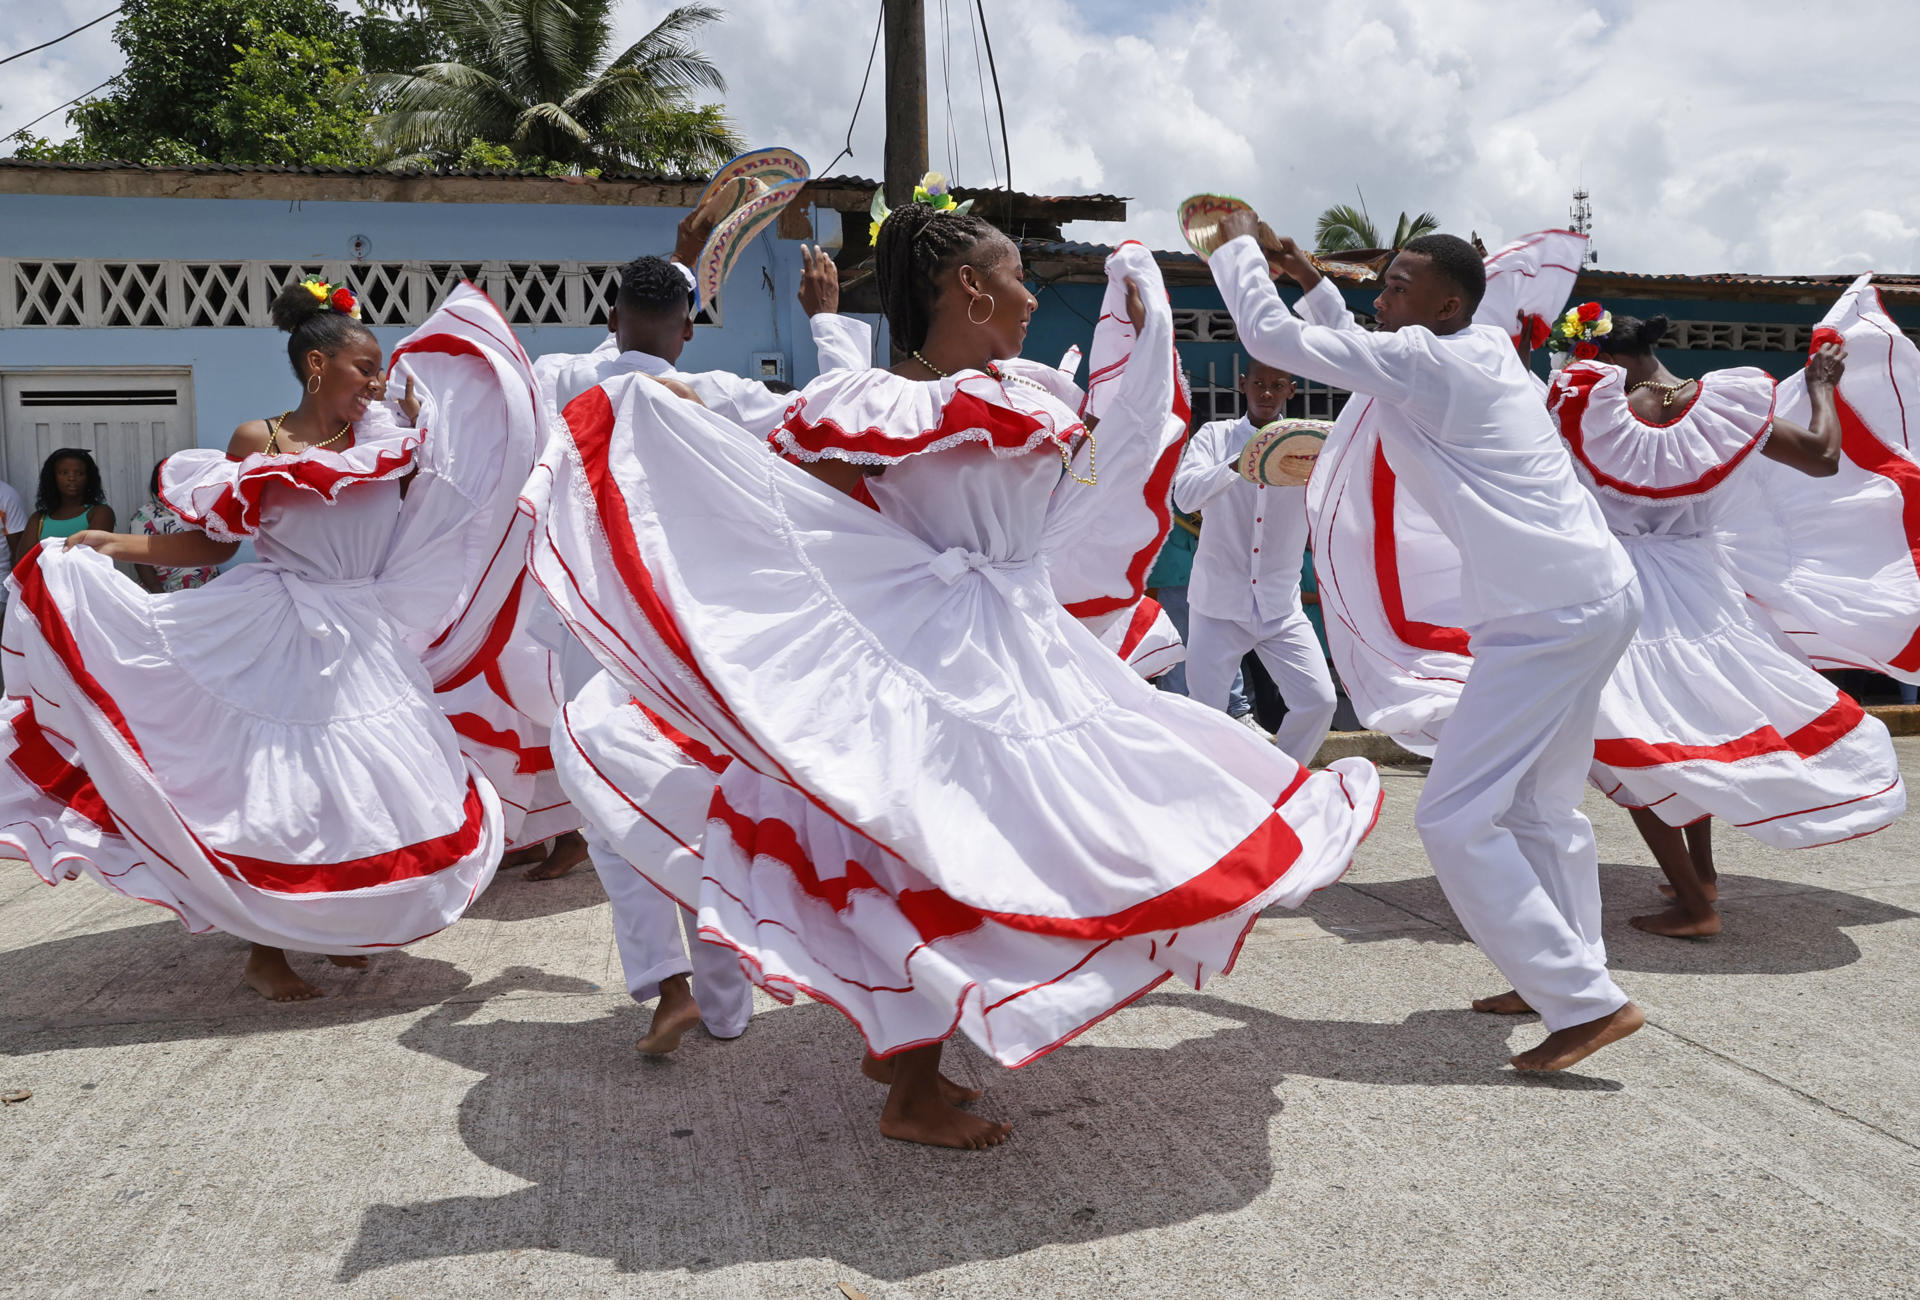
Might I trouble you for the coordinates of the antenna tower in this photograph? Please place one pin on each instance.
(1582, 214)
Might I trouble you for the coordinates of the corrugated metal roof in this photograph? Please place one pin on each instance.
(1898, 282)
(270, 169)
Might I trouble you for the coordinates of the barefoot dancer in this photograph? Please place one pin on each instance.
(262, 755)
(949, 806)
(1547, 594)
(1707, 716)
(1245, 591)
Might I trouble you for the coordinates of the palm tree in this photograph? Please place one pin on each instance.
(533, 76)
(1344, 228)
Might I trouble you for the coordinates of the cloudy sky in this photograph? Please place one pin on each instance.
(1714, 136)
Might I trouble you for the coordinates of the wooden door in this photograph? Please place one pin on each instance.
(127, 418)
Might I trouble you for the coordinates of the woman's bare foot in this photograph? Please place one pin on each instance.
(524, 857)
(358, 961)
(569, 851)
(1678, 923)
(673, 1016)
(954, 1094)
(916, 1112)
(1565, 1048)
(1708, 887)
(1503, 1004)
(269, 975)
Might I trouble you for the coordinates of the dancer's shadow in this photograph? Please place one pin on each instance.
(158, 983)
(1773, 927)
(512, 897)
(766, 1149)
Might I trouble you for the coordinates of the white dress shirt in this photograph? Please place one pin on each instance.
(1469, 438)
(844, 343)
(1247, 565)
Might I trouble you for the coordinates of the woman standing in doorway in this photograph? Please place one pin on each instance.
(70, 498)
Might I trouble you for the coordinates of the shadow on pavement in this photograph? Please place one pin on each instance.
(159, 983)
(766, 1148)
(1773, 927)
(512, 897)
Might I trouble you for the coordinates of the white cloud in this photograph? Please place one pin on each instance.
(1718, 135)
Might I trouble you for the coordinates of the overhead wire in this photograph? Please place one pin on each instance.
(980, 79)
(50, 112)
(946, 83)
(868, 76)
(1006, 151)
(63, 36)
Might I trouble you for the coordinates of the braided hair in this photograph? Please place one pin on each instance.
(313, 324)
(1633, 337)
(916, 245)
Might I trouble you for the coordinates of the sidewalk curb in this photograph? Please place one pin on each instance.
(1377, 746)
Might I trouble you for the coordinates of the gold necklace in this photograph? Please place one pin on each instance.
(273, 433)
(1066, 457)
(1666, 390)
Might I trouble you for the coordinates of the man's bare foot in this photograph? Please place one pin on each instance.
(1708, 887)
(1503, 1004)
(358, 961)
(674, 1015)
(524, 857)
(933, 1122)
(1678, 923)
(1565, 1048)
(954, 1094)
(568, 852)
(269, 975)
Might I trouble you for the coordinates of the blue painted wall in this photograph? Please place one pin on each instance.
(241, 373)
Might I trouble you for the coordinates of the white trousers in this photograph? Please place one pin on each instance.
(1500, 816)
(647, 926)
(1289, 650)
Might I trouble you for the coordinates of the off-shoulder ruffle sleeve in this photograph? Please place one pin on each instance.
(222, 496)
(1679, 460)
(875, 417)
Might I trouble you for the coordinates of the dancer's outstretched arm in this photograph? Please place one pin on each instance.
(1814, 450)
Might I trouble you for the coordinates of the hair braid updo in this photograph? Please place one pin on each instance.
(1633, 337)
(314, 326)
(916, 246)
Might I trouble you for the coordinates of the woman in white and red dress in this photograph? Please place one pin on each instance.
(949, 805)
(263, 755)
(1707, 715)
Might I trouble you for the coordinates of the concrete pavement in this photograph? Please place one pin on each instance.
(469, 1118)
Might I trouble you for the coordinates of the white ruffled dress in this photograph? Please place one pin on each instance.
(264, 755)
(1707, 715)
(949, 806)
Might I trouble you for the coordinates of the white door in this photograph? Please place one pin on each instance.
(128, 418)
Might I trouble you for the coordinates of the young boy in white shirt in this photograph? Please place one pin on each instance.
(1244, 594)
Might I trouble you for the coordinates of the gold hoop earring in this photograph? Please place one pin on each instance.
(313, 382)
(991, 305)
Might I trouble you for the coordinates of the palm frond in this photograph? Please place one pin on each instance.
(1342, 228)
(668, 55)
(1411, 228)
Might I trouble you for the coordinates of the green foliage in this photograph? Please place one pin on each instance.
(1344, 228)
(201, 84)
(534, 77)
(291, 100)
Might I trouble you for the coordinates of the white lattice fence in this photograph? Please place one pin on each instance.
(52, 293)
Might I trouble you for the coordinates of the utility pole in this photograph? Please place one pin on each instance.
(906, 35)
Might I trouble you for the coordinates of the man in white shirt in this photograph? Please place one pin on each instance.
(1245, 590)
(1548, 596)
(652, 323)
